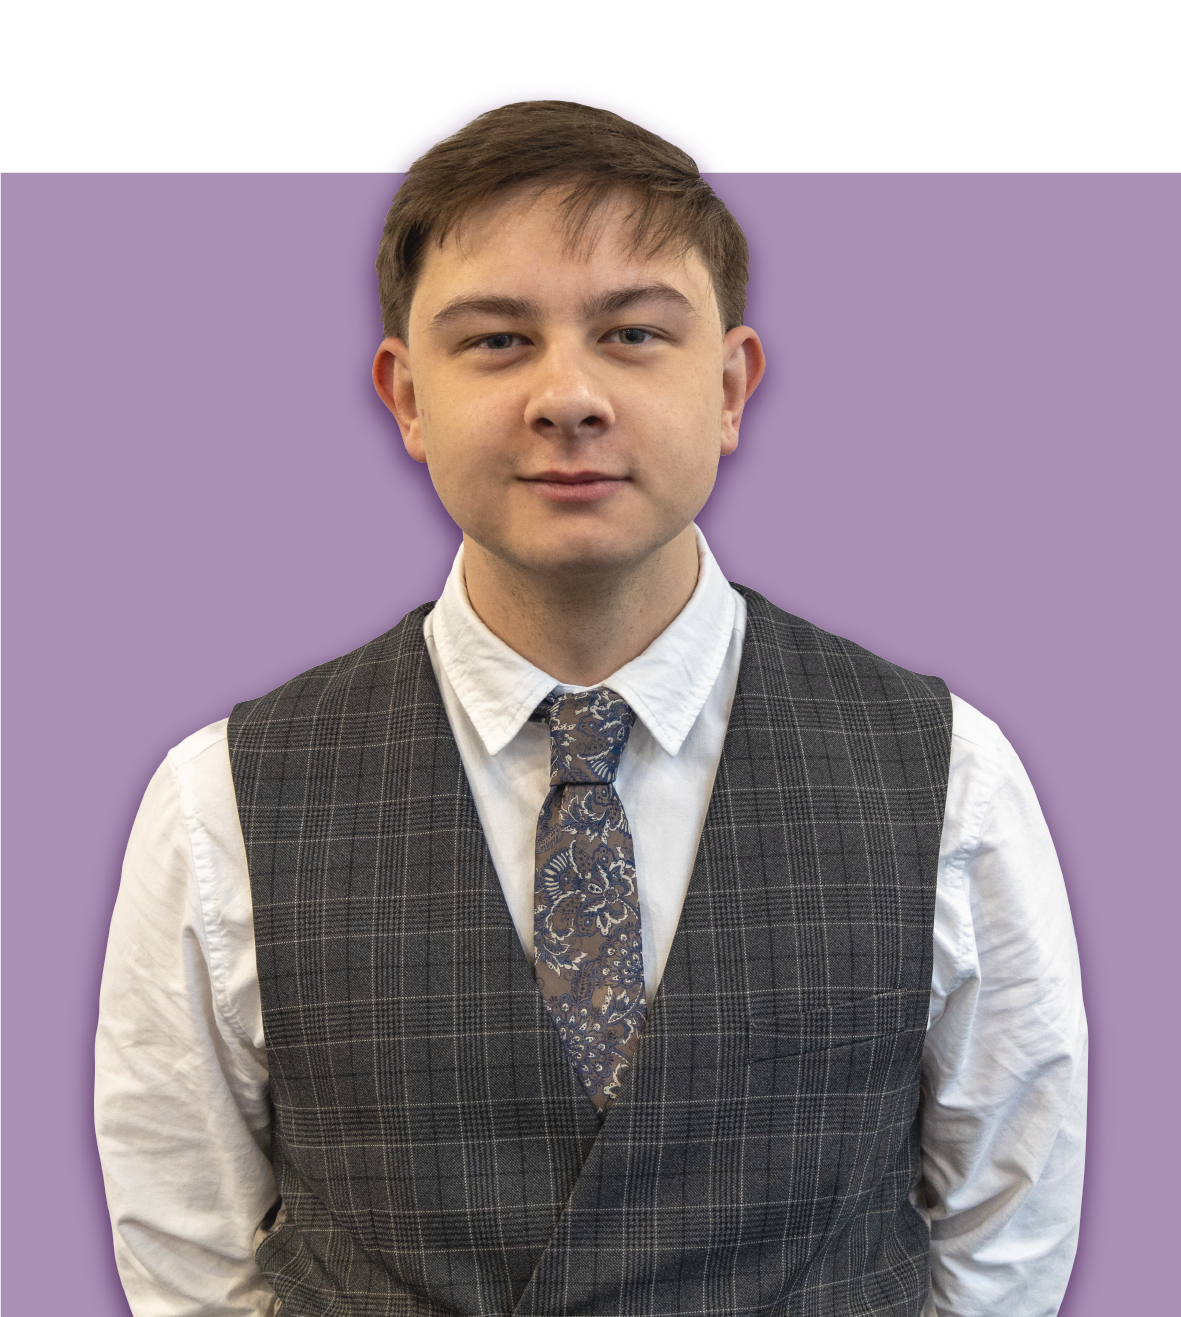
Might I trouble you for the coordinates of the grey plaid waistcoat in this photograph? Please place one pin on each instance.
(434, 1152)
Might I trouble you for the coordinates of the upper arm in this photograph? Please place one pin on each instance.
(180, 1089)
(1005, 1059)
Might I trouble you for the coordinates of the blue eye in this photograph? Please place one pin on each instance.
(500, 341)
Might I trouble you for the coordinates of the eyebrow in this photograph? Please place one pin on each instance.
(610, 303)
(623, 298)
(511, 308)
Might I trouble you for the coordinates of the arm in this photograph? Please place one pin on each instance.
(1004, 1093)
(181, 1107)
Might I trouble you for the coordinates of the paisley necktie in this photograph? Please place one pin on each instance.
(586, 921)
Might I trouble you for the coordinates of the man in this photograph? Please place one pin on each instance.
(601, 939)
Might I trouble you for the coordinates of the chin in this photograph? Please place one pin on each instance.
(580, 554)
(579, 551)
(575, 547)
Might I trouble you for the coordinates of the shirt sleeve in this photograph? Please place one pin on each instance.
(1004, 1088)
(181, 1104)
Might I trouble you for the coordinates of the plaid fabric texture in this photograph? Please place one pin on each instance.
(434, 1151)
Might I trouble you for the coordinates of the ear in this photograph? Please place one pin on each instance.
(395, 387)
(743, 363)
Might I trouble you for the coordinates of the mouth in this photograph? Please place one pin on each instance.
(575, 486)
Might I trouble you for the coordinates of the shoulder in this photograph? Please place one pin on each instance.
(205, 743)
(204, 787)
(190, 773)
(987, 783)
(980, 750)
(815, 649)
(974, 732)
(362, 665)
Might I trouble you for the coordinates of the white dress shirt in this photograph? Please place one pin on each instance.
(181, 1071)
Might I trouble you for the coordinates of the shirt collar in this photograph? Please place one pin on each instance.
(667, 685)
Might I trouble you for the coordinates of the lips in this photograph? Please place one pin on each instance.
(575, 486)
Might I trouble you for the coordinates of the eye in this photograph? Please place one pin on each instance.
(631, 336)
(499, 342)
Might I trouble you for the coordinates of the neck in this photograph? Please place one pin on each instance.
(582, 630)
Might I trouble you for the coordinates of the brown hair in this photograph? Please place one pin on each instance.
(597, 155)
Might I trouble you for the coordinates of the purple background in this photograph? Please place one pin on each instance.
(959, 458)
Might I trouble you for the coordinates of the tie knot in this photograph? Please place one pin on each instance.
(588, 733)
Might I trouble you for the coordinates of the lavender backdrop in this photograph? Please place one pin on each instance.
(960, 458)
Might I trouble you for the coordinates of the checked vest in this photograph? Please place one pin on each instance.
(434, 1152)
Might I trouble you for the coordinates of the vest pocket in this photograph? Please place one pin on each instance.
(829, 1098)
(773, 1034)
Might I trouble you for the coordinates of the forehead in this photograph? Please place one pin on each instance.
(523, 239)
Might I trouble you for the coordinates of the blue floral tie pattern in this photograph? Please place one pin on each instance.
(586, 921)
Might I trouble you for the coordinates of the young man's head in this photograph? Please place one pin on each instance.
(562, 297)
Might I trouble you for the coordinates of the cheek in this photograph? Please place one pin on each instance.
(469, 448)
(692, 393)
(683, 430)
(458, 432)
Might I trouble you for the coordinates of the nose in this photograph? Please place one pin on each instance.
(568, 402)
